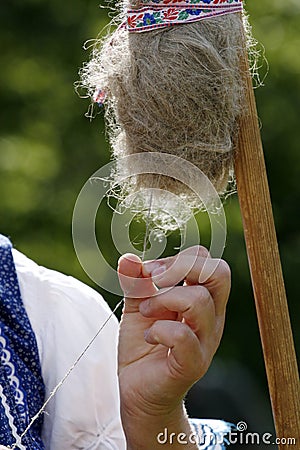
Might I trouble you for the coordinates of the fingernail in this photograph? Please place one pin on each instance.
(150, 339)
(130, 257)
(159, 271)
(148, 267)
(146, 332)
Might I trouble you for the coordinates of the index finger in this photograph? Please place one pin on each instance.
(193, 268)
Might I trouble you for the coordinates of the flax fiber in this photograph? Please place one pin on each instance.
(176, 90)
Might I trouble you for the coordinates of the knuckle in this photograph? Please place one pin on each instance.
(204, 297)
(199, 295)
(223, 270)
(203, 252)
(198, 250)
(182, 333)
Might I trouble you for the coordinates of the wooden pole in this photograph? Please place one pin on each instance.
(266, 272)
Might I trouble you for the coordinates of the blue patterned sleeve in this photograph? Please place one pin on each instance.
(211, 434)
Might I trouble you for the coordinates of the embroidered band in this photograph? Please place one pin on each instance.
(157, 14)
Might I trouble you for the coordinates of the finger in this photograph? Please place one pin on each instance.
(132, 282)
(156, 267)
(185, 358)
(214, 274)
(194, 304)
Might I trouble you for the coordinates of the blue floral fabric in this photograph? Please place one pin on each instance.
(21, 384)
(211, 434)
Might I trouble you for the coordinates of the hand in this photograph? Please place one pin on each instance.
(168, 333)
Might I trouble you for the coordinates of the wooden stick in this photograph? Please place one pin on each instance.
(266, 272)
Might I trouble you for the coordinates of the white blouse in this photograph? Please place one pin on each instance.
(65, 314)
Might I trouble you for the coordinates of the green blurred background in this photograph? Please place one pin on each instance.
(48, 149)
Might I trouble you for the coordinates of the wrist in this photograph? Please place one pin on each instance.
(146, 431)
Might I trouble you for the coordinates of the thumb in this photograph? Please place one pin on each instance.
(132, 282)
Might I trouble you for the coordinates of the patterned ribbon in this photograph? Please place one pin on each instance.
(164, 13)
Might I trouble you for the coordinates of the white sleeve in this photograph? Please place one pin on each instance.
(65, 314)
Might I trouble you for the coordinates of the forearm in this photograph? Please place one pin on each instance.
(148, 432)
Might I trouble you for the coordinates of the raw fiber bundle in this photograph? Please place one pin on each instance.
(173, 90)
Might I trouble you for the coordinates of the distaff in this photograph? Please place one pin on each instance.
(266, 272)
